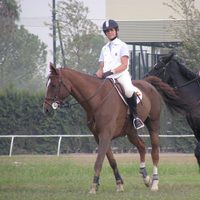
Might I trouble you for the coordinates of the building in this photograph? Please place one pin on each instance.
(147, 27)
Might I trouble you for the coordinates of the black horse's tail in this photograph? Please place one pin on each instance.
(172, 100)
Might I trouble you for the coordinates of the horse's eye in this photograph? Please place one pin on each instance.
(156, 66)
(53, 85)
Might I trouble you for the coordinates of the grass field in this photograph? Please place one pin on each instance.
(69, 178)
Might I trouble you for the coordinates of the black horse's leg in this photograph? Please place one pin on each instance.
(113, 165)
(104, 144)
(193, 121)
(197, 153)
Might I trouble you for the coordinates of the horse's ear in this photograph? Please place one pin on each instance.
(171, 55)
(167, 58)
(52, 68)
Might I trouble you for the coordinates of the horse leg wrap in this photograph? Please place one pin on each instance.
(96, 180)
(118, 179)
(155, 177)
(143, 172)
(155, 181)
(146, 178)
(120, 185)
(95, 185)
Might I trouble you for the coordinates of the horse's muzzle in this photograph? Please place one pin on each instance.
(146, 75)
(46, 109)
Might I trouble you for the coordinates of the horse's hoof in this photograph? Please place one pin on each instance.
(120, 187)
(93, 189)
(154, 186)
(147, 181)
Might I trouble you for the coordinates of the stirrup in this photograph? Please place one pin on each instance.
(137, 123)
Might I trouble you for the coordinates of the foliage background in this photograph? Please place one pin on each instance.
(22, 114)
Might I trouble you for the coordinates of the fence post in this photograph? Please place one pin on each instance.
(11, 145)
(59, 143)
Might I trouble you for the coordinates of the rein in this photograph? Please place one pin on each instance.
(86, 100)
(189, 82)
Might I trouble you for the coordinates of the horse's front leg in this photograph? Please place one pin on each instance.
(104, 144)
(113, 164)
(197, 153)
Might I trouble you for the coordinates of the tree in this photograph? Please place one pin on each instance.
(26, 61)
(26, 57)
(81, 37)
(9, 13)
(22, 54)
(188, 32)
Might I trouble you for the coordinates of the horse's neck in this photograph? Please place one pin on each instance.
(83, 87)
(188, 91)
(178, 79)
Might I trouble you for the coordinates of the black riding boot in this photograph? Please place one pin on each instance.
(137, 122)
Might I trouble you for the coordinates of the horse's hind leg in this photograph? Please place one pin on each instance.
(155, 159)
(154, 137)
(139, 143)
(113, 164)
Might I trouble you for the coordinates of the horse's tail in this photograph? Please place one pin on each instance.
(170, 97)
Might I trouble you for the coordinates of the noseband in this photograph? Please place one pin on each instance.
(57, 102)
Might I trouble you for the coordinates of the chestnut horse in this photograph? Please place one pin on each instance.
(107, 116)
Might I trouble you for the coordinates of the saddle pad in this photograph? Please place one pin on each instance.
(138, 94)
(136, 90)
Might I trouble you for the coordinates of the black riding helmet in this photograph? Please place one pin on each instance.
(109, 24)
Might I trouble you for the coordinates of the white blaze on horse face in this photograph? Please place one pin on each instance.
(48, 83)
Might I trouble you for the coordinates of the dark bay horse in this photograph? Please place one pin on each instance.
(187, 84)
(107, 116)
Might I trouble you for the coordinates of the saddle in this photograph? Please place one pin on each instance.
(121, 92)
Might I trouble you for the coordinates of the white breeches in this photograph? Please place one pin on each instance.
(126, 83)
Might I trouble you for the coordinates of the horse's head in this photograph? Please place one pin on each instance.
(161, 69)
(56, 90)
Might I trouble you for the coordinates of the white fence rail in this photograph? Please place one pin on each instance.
(71, 136)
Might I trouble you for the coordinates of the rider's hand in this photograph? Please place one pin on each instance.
(108, 73)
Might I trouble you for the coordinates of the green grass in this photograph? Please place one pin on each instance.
(70, 176)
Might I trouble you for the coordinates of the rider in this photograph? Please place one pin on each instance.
(113, 63)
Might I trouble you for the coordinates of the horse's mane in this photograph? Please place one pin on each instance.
(170, 96)
(185, 71)
(82, 74)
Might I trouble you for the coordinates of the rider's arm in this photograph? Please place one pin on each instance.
(124, 59)
(123, 66)
(99, 73)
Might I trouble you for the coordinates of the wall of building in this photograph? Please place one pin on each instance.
(130, 10)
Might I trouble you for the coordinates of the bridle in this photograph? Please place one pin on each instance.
(164, 67)
(57, 102)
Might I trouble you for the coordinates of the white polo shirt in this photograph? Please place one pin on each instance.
(111, 55)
